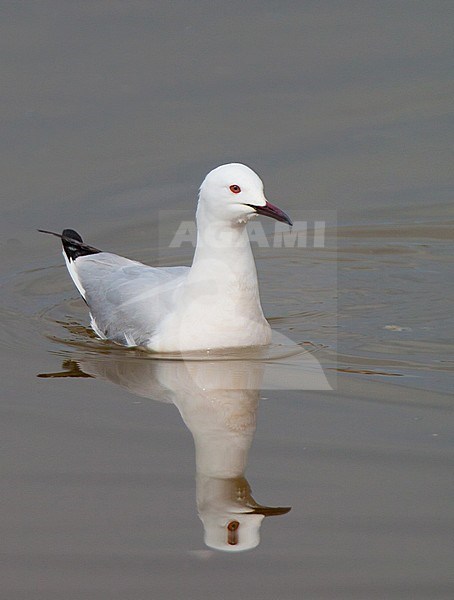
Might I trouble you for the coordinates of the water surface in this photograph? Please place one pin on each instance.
(114, 480)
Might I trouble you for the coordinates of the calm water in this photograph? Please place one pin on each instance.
(120, 472)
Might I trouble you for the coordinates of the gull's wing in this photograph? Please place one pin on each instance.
(127, 299)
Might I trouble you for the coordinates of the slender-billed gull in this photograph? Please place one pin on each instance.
(215, 303)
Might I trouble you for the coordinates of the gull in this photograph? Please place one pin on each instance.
(214, 304)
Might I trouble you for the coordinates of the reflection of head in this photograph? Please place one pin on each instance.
(230, 515)
(241, 532)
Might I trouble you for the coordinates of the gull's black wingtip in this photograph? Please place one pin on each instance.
(73, 244)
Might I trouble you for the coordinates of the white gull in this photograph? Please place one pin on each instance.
(215, 303)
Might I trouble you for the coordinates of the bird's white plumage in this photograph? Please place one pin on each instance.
(213, 304)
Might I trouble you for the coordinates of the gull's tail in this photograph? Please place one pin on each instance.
(73, 244)
(73, 248)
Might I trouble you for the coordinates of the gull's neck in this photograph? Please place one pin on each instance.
(221, 293)
(225, 243)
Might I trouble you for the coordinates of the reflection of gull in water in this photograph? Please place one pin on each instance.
(217, 399)
(218, 402)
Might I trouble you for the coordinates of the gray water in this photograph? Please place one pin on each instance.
(113, 114)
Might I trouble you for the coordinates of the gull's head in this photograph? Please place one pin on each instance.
(234, 193)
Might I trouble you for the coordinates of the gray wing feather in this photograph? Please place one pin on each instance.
(127, 299)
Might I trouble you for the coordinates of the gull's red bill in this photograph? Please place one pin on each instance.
(269, 210)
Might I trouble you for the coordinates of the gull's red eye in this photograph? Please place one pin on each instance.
(235, 189)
